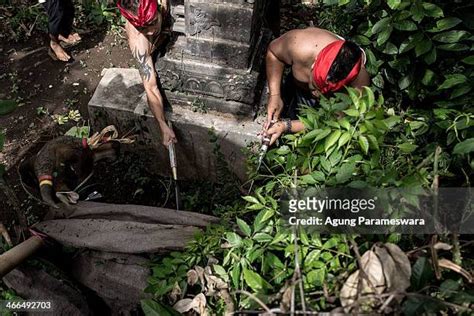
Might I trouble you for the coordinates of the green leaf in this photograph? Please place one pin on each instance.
(384, 36)
(421, 273)
(332, 139)
(316, 277)
(452, 80)
(362, 40)
(407, 147)
(432, 10)
(255, 281)
(464, 147)
(345, 172)
(370, 97)
(244, 227)
(79, 132)
(7, 106)
(364, 144)
(428, 77)
(431, 56)
(423, 46)
(262, 237)
(454, 47)
(469, 60)
(381, 25)
(233, 239)
(390, 49)
(405, 25)
(345, 137)
(251, 199)
(373, 142)
(352, 112)
(344, 123)
(445, 24)
(405, 82)
(417, 12)
(394, 4)
(450, 36)
(459, 91)
(153, 308)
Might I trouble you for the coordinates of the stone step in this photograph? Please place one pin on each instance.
(120, 100)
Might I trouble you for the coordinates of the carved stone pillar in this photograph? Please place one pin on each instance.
(217, 58)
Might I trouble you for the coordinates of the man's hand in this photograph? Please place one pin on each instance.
(274, 108)
(167, 135)
(276, 130)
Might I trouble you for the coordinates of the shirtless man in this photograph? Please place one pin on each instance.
(60, 18)
(321, 63)
(145, 32)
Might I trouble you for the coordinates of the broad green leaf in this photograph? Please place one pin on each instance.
(262, 237)
(235, 275)
(344, 123)
(381, 25)
(421, 273)
(394, 4)
(373, 142)
(417, 12)
(345, 137)
(445, 24)
(407, 147)
(452, 80)
(430, 57)
(7, 106)
(450, 36)
(370, 97)
(384, 36)
(220, 271)
(428, 77)
(405, 82)
(362, 40)
(331, 140)
(255, 281)
(316, 277)
(364, 144)
(244, 227)
(469, 60)
(390, 49)
(153, 308)
(432, 10)
(459, 91)
(251, 199)
(352, 112)
(407, 45)
(233, 239)
(308, 179)
(354, 95)
(318, 176)
(405, 25)
(345, 172)
(423, 46)
(464, 147)
(454, 47)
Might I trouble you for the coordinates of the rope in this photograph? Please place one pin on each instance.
(99, 138)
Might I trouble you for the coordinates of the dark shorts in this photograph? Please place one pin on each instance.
(60, 16)
(294, 98)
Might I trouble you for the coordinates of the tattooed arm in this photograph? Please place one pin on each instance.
(141, 51)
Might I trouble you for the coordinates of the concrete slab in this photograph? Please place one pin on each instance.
(119, 99)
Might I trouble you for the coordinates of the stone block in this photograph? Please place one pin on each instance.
(196, 159)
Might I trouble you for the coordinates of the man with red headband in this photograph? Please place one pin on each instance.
(321, 63)
(146, 29)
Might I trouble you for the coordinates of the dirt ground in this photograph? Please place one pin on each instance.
(44, 87)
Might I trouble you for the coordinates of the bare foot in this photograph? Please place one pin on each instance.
(59, 51)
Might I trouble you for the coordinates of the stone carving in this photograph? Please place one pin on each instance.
(199, 20)
(240, 88)
(170, 80)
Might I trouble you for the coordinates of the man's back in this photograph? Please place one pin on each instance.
(299, 49)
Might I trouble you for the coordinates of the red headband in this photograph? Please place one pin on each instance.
(146, 12)
(323, 63)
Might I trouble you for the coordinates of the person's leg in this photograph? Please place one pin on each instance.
(55, 13)
(66, 35)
